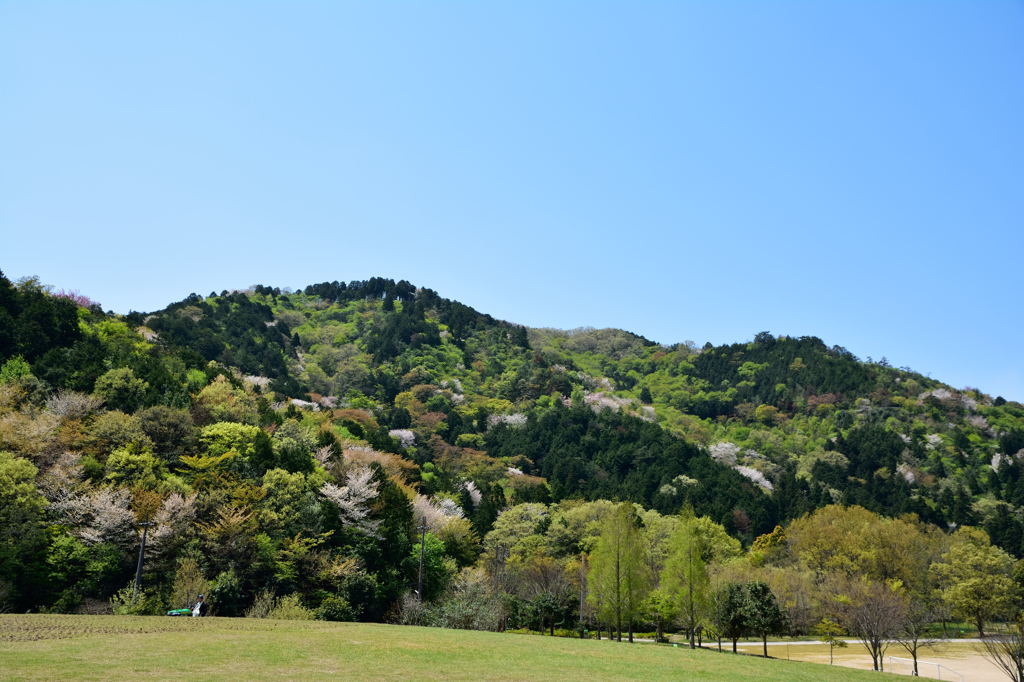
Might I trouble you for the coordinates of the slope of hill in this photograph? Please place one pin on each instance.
(784, 413)
(278, 434)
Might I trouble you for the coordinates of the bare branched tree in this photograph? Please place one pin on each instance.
(912, 636)
(68, 404)
(875, 614)
(1006, 651)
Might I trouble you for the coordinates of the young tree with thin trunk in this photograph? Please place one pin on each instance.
(619, 579)
(829, 631)
(685, 576)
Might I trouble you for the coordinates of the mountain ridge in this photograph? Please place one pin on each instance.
(792, 422)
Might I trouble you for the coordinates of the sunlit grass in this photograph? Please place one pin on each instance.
(118, 647)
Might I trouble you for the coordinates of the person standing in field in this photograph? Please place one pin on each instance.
(200, 608)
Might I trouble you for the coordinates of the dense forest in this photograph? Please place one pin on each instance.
(293, 449)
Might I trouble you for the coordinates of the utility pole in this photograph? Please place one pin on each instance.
(146, 525)
(423, 542)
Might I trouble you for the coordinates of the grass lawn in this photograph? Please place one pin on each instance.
(139, 647)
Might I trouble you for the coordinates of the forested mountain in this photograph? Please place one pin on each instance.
(286, 439)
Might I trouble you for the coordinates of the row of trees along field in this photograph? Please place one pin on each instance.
(617, 567)
(293, 448)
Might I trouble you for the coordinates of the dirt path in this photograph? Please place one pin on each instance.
(959, 657)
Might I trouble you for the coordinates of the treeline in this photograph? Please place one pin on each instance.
(600, 567)
(230, 329)
(460, 320)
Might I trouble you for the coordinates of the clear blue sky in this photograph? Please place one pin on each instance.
(683, 170)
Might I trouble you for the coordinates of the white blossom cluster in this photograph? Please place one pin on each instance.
(102, 515)
(453, 384)
(756, 476)
(978, 422)
(681, 481)
(513, 421)
(595, 383)
(907, 472)
(405, 437)
(599, 401)
(724, 452)
(999, 458)
(323, 455)
(940, 393)
(932, 441)
(174, 518)
(450, 507)
(254, 380)
(475, 495)
(435, 513)
(60, 480)
(353, 498)
(728, 454)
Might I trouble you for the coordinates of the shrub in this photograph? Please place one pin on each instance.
(226, 594)
(335, 607)
(289, 607)
(411, 611)
(469, 607)
(262, 605)
(126, 603)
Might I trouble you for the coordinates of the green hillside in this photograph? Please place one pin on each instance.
(293, 449)
(792, 414)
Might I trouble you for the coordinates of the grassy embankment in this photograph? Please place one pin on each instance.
(119, 647)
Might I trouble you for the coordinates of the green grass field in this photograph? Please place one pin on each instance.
(119, 647)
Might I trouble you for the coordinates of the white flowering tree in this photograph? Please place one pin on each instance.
(353, 499)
